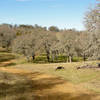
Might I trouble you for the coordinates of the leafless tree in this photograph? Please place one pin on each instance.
(7, 35)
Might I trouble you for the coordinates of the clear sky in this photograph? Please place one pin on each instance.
(60, 13)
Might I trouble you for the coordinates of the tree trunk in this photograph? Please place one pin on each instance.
(70, 59)
(53, 58)
(48, 57)
(28, 58)
(33, 57)
(84, 57)
(56, 57)
(67, 59)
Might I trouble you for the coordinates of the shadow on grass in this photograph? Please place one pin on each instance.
(7, 64)
(65, 96)
(6, 57)
(18, 87)
(10, 64)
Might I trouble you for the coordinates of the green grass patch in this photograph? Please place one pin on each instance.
(59, 59)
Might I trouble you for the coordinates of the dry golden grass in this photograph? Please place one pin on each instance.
(85, 77)
(17, 84)
(20, 80)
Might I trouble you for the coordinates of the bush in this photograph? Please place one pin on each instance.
(77, 59)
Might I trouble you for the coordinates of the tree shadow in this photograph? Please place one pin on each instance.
(10, 64)
(7, 64)
(65, 96)
(17, 84)
(19, 87)
(6, 57)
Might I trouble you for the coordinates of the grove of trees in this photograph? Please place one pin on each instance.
(32, 41)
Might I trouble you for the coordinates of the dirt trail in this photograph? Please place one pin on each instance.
(48, 87)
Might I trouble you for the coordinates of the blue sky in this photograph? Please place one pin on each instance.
(60, 13)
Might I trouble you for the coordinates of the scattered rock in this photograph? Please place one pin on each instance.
(87, 66)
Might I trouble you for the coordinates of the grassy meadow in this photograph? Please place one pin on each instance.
(13, 85)
(84, 77)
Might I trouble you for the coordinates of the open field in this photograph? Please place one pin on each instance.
(20, 80)
(19, 84)
(85, 77)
